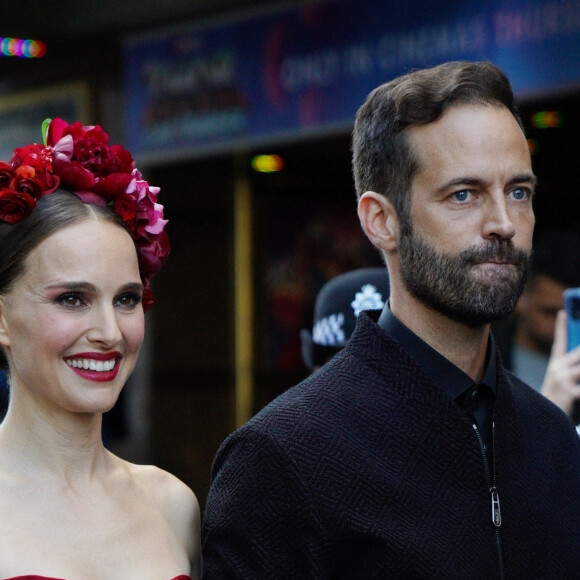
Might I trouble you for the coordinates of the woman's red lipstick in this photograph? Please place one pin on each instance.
(102, 367)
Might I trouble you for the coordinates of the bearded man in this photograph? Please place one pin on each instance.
(414, 453)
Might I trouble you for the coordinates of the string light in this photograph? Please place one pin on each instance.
(21, 48)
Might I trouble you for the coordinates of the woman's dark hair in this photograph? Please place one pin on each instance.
(52, 213)
(382, 159)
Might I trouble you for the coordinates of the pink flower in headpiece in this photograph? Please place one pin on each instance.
(146, 215)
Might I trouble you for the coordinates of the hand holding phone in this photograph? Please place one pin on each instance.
(572, 307)
(562, 376)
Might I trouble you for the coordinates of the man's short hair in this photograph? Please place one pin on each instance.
(382, 159)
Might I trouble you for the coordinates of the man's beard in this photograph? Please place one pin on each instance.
(448, 284)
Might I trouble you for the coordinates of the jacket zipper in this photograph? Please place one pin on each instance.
(495, 506)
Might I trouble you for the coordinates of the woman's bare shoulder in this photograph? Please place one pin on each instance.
(177, 502)
(167, 487)
(176, 499)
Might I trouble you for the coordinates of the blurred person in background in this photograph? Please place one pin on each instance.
(336, 309)
(533, 340)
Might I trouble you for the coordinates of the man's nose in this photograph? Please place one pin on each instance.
(498, 222)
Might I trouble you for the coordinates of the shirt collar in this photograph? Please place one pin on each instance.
(442, 371)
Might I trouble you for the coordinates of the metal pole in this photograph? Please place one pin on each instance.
(244, 296)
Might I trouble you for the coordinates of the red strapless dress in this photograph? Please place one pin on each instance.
(33, 577)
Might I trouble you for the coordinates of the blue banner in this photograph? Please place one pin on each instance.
(227, 85)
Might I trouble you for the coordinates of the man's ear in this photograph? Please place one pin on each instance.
(379, 220)
(4, 334)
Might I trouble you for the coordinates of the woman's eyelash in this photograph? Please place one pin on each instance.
(67, 298)
(133, 297)
(76, 299)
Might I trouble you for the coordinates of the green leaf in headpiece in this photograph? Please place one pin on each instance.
(45, 125)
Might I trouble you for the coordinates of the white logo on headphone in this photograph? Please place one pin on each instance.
(328, 331)
(367, 299)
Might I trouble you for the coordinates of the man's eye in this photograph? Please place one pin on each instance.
(520, 193)
(461, 195)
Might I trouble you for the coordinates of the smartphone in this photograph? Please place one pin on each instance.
(572, 307)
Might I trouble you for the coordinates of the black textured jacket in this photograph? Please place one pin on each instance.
(368, 470)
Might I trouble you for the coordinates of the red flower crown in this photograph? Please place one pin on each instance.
(78, 158)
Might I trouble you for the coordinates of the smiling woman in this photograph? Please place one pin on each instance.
(81, 235)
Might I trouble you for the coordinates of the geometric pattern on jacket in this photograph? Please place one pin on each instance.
(368, 470)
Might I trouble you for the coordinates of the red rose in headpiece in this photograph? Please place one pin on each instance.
(126, 207)
(33, 171)
(15, 206)
(153, 255)
(35, 155)
(113, 185)
(24, 180)
(6, 174)
(72, 176)
(28, 180)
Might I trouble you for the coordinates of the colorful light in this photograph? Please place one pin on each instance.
(547, 119)
(267, 163)
(22, 48)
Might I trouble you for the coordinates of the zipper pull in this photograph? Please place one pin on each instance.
(495, 510)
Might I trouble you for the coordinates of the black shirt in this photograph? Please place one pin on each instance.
(475, 399)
